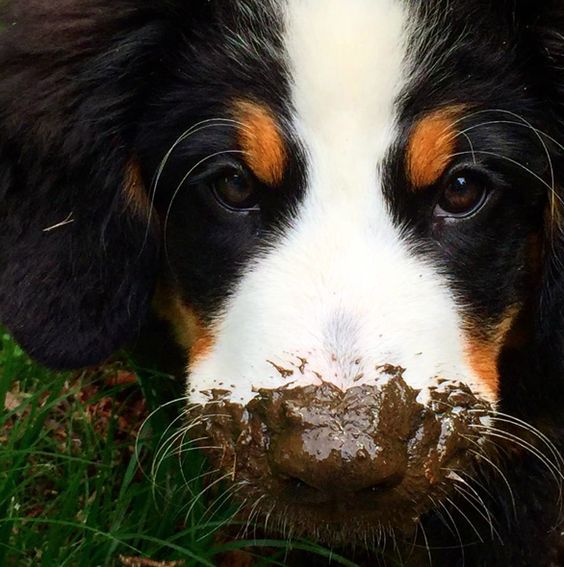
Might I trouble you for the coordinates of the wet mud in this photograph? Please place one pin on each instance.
(370, 455)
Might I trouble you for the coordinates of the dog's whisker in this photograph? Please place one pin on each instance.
(456, 530)
(162, 454)
(166, 446)
(179, 188)
(468, 479)
(193, 480)
(144, 423)
(514, 162)
(164, 434)
(438, 512)
(502, 475)
(216, 504)
(465, 517)
(202, 492)
(474, 500)
(186, 450)
(427, 546)
(223, 523)
(512, 420)
(194, 129)
(554, 470)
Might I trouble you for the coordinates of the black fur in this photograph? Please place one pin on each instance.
(72, 77)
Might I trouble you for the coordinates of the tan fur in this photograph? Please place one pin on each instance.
(135, 195)
(484, 347)
(431, 144)
(261, 142)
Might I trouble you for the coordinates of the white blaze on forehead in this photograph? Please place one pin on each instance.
(346, 62)
(342, 293)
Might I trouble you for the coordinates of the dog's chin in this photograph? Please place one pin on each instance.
(344, 467)
(342, 520)
(363, 523)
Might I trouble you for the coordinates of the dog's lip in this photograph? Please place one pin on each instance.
(328, 519)
(395, 505)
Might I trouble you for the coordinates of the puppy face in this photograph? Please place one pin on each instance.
(340, 215)
(353, 195)
(352, 211)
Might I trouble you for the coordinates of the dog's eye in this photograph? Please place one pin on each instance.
(463, 195)
(236, 190)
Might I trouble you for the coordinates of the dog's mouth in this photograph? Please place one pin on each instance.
(329, 461)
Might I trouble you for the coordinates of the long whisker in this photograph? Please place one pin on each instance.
(507, 436)
(197, 498)
(192, 130)
(251, 514)
(224, 522)
(514, 162)
(267, 517)
(481, 456)
(219, 501)
(512, 420)
(142, 426)
(438, 512)
(478, 504)
(179, 188)
(167, 444)
(540, 134)
(427, 546)
(186, 448)
(467, 479)
(470, 523)
(522, 124)
(455, 526)
(201, 477)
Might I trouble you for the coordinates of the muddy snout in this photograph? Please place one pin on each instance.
(375, 453)
(340, 442)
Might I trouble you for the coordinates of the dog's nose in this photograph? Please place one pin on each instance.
(336, 463)
(340, 443)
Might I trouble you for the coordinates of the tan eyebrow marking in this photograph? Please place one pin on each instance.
(431, 145)
(261, 141)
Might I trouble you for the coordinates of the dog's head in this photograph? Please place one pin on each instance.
(352, 208)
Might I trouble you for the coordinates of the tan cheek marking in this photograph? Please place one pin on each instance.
(136, 197)
(431, 145)
(189, 331)
(202, 347)
(484, 348)
(261, 142)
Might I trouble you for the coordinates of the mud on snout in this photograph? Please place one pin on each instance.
(326, 461)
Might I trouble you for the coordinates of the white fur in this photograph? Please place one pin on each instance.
(342, 289)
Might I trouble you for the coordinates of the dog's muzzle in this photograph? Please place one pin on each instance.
(373, 455)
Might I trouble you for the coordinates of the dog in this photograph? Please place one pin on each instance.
(350, 214)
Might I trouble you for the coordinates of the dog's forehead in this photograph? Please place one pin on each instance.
(339, 58)
(347, 74)
(347, 66)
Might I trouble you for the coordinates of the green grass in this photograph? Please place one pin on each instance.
(78, 484)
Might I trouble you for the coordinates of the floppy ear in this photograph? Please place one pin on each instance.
(78, 261)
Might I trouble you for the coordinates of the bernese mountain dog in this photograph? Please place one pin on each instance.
(350, 212)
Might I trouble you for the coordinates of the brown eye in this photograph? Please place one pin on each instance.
(463, 195)
(236, 190)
